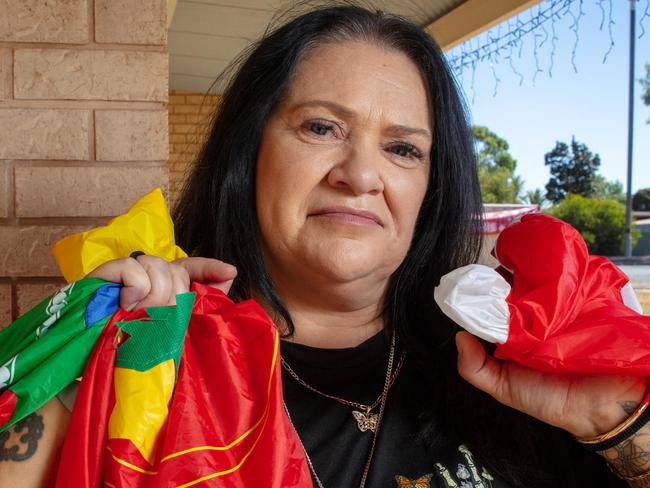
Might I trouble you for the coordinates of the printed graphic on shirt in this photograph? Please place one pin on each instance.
(465, 475)
(422, 482)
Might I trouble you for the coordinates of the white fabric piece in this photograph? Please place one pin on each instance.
(630, 299)
(474, 296)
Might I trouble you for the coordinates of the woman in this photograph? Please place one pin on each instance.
(339, 180)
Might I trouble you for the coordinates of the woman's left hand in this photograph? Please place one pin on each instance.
(583, 404)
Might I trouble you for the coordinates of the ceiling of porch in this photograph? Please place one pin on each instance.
(206, 35)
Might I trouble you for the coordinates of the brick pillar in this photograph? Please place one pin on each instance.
(83, 127)
(190, 115)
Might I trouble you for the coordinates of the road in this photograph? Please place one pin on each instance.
(639, 275)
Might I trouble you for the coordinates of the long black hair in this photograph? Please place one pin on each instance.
(216, 214)
(216, 217)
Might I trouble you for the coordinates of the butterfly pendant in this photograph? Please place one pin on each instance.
(421, 482)
(366, 421)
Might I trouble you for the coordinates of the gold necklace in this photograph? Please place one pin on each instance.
(366, 420)
(390, 378)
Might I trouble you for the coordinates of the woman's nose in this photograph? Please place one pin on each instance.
(358, 171)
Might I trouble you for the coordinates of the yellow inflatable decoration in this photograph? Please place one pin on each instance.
(146, 226)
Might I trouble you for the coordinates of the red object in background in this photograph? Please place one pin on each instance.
(566, 309)
(226, 425)
(494, 221)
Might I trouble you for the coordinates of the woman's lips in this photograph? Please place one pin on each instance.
(348, 215)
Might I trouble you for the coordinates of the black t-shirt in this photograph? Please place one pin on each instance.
(338, 449)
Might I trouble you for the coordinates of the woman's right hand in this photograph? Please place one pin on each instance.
(150, 281)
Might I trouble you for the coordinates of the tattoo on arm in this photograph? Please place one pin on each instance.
(20, 442)
(631, 457)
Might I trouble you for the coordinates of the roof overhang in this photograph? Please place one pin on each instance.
(472, 17)
(204, 37)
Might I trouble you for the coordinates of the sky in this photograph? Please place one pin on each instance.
(590, 104)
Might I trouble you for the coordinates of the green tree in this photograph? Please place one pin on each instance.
(535, 197)
(641, 200)
(573, 170)
(609, 190)
(496, 168)
(600, 222)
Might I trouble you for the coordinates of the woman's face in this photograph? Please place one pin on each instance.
(343, 167)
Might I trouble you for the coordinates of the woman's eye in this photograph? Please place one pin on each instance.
(320, 128)
(405, 150)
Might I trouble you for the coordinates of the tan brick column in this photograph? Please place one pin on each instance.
(190, 115)
(83, 127)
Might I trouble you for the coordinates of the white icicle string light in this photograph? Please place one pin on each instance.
(492, 47)
(610, 23)
(645, 15)
(508, 38)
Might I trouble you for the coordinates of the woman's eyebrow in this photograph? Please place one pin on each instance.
(331, 106)
(403, 130)
(342, 111)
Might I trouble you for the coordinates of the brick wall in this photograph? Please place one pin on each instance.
(83, 124)
(189, 117)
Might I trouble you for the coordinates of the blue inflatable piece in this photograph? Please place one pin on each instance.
(104, 303)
